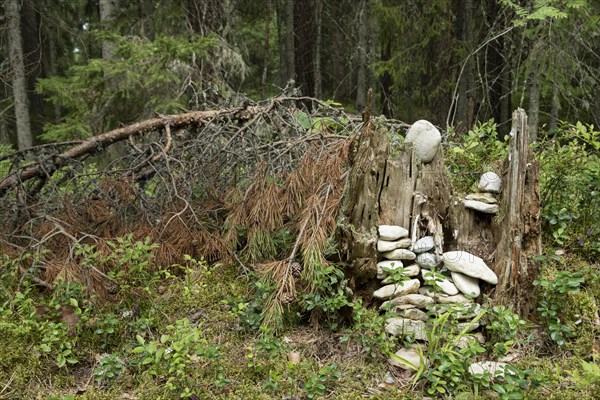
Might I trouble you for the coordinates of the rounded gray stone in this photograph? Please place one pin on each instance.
(428, 260)
(426, 139)
(424, 244)
(490, 182)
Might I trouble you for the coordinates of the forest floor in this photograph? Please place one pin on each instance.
(196, 333)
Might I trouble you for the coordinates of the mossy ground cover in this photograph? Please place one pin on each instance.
(194, 334)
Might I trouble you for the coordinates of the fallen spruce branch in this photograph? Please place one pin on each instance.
(45, 168)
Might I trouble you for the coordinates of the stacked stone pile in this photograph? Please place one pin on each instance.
(484, 201)
(418, 284)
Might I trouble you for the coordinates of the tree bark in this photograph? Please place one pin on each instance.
(24, 137)
(265, 72)
(303, 47)
(361, 81)
(534, 102)
(465, 101)
(107, 13)
(555, 109)
(386, 83)
(289, 40)
(318, 43)
(518, 235)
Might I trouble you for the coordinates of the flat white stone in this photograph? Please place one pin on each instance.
(483, 197)
(469, 264)
(466, 284)
(418, 300)
(414, 314)
(482, 207)
(427, 290)
(392, 232)
(494, 368)
(426, 139)
(385, 245)
(444, 283)
(424, 244)
(428, 260)
(397, 289)
(490, 182)
(399, 254)
(456, 299)
(406, 327)
(387, 265)
(407, 359)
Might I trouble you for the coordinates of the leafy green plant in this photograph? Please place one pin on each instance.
(502, 328)
(331, 295)
(553, 302)
(589, 376)
(470, 155)
(318, 384)
(571, 159)
(109, 368)
(368, 330)
(174, 356)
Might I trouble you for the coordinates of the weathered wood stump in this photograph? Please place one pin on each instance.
(389, 185)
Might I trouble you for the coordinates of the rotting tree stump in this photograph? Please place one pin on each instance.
(518, 233)
(389, 185)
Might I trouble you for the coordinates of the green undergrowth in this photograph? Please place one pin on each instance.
(194, 331)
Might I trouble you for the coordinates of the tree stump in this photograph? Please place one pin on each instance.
(518, 234)
(389, 185)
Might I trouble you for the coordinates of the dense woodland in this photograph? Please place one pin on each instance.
(452, 62)
(177, 176)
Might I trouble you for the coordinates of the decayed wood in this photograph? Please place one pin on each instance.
(519, 232)
(358, 231)
(391, 187)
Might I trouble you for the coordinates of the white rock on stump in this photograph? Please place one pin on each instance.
(426, 139)
(397, 289)
(466, 284)
(399, 254)
(482, 207)
(392, 232)
(444, 283)
(490, 182)
(424, 244)
(469, 264)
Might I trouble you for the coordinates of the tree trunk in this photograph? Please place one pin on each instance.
(555, 109)
(318, 43)
(24, 137)
(386, 83)
(519, 233)
(107, 12)
(534, 102)
(303, 45)
(391, 188)
(361, 81)
(265, 72)
(289, 40)
(465, 102)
